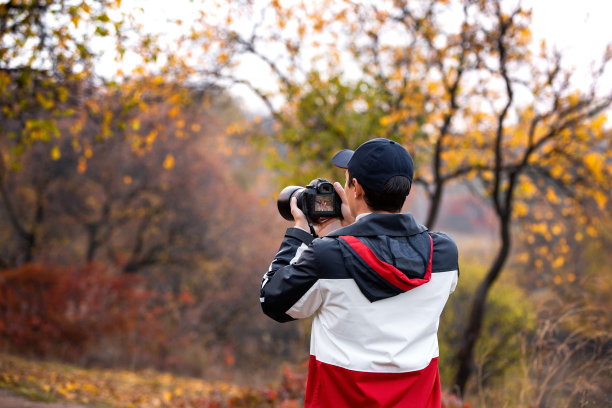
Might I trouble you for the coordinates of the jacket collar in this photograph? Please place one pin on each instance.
(393, 225)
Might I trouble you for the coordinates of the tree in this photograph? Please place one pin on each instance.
(469, 97)
(559, 126)
(46, 60)
(55, 102)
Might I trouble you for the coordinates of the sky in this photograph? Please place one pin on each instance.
(579, 28)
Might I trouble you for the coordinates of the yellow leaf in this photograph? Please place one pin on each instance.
(173, 112)
(520, 209)
(558, 262)
(557, 171)
(528, 189)
(222, 58)
(55, 153)
(82, 167)
(552, 196)
(169, 162)
(233, 129)
(591, 231)
(601, 200)
(385, 120)
(594, 162)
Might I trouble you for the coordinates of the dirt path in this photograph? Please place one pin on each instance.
(11, 400)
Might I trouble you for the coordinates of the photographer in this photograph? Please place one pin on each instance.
(376, 283)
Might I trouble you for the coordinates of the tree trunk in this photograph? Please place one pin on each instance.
(434, 205)
(92, 241)
(474, 326)
(30, 237)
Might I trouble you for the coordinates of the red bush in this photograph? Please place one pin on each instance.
(45, 310)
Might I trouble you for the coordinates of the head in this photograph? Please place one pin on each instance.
(390, 199)
(380, 171)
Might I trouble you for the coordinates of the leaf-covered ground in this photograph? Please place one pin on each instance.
(47, 381)
(9, 399)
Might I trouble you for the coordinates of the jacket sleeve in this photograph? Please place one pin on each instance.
(446, 255)
(288, 288)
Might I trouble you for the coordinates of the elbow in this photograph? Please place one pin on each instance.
(275, 313)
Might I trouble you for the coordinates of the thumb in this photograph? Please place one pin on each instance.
(340, 192)
(347, 217)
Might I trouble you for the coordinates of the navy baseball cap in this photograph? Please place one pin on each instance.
(375, 162)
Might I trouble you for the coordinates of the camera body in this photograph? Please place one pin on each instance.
(317, 200)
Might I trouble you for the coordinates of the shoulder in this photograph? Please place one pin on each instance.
(330, 260)
(446, 254)
(324, 247)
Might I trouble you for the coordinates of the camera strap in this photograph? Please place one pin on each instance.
(312, 230)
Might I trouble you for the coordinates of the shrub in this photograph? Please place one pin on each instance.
(62, 311)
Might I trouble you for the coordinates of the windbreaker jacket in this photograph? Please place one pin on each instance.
(376, 289)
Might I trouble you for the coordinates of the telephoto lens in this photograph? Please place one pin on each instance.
(317, 200)
(284, 199)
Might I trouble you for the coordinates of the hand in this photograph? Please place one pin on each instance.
(322, 226)
(298, 215)
(347, 217)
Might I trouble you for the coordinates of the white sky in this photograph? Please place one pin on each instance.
(579, 28)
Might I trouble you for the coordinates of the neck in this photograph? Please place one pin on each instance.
(368, 210)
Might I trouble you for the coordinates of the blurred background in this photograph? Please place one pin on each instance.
(143, 145)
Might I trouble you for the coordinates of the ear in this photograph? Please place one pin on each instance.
(358, 189)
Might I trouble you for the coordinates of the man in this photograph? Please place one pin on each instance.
(376, 287)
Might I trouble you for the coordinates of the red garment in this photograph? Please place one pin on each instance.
(336, 387)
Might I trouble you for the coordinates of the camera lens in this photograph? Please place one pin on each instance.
(284, 199)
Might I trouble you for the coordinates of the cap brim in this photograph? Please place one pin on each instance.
(342, 158)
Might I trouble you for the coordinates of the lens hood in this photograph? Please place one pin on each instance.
(284, 200)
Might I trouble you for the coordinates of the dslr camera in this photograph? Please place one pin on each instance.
(317, 200)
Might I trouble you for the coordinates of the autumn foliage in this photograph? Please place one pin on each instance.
(55, 311)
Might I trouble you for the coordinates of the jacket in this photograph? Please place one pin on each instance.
(376, 289)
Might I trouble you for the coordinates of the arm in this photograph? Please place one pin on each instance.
(446, 255)
(288, 288)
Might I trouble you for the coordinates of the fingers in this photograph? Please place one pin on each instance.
(298, 215)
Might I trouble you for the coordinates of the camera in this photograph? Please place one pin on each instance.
(318, 199)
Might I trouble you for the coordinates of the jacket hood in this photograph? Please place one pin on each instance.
(386, 254)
